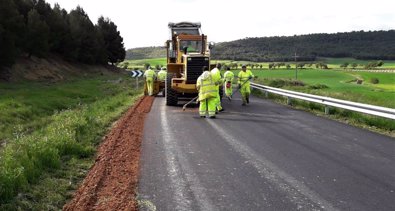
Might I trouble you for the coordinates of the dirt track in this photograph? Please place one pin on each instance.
(111, 182)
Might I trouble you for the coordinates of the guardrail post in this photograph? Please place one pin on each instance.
(289, 101)
(266, 94)
(137, 82)
(327, 110)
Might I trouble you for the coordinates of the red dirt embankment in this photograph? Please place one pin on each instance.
(111, 182)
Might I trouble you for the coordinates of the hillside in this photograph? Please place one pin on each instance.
(358, 45)
(145, 53)
(51, 69)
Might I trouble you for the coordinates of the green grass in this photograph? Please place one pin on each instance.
(140, 63)
(50, 135)
(340, 84)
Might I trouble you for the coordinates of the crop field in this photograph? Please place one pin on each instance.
(339, 84)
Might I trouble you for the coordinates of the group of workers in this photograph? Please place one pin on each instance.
(151, 76)
(209, 83)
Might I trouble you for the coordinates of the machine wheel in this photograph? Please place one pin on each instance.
(170, 94)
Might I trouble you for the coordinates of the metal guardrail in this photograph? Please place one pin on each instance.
(330, 102)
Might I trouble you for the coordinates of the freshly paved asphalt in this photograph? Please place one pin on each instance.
(263, 156)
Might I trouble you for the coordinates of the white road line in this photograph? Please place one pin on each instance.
(296, 191)
(177, 164)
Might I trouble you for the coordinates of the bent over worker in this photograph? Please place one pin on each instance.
(150, 76)
(244, 84)
(207, 94)
(228, 77)
(216, 75)
(162, 74)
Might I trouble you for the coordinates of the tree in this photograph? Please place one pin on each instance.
(354, 65)
(37, 35)
(288, 66)
(380, 63)
(59, 38)
(113, 41)
(85, 39)
(11, 27)
(344, 65)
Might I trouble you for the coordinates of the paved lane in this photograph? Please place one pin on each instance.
(262, 157)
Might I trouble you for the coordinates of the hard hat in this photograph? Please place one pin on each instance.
(243, 65)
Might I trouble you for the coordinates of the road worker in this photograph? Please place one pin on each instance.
(217, 77)
(244, 78)
(162, 74)
(207, 94)
(228, 77)
(150, 76)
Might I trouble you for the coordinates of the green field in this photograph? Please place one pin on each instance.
(340, 84)
(49, 133)
(132, 64)
(333, 63)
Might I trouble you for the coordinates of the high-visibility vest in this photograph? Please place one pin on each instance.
(216, 75)
(229, 76)
(162, 75)
(243, 77)
(149, 74)
(207, 89)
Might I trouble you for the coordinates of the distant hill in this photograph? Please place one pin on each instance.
(145, 53)
(358, 45)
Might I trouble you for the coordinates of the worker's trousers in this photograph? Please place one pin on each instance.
(218, 101)
(228, 90)
(245, 92)
(207, 106)
(150, 86)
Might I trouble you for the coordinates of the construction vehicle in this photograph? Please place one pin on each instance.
(187, 53)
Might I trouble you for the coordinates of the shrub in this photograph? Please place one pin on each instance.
(374, 80)
(318, 86)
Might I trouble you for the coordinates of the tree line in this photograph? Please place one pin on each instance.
(371, 45)
(34, 28)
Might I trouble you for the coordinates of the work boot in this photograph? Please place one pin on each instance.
(212, 117)
(243, 104)
(202, 116)
(222, 109)
(248, 100)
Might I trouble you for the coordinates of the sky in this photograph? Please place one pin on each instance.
(144, 23)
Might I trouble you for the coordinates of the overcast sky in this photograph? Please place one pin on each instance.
(144, 22)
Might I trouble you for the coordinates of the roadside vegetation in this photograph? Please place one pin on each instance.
(49, 133)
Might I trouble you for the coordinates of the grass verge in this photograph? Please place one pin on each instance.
(40, 167)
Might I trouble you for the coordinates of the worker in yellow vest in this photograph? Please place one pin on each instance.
(207, 94)
(150, 76)
(162, 74)
(216, 75)
(244, 78)
(228, 77)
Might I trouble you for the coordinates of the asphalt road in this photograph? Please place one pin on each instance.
(263, 156)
